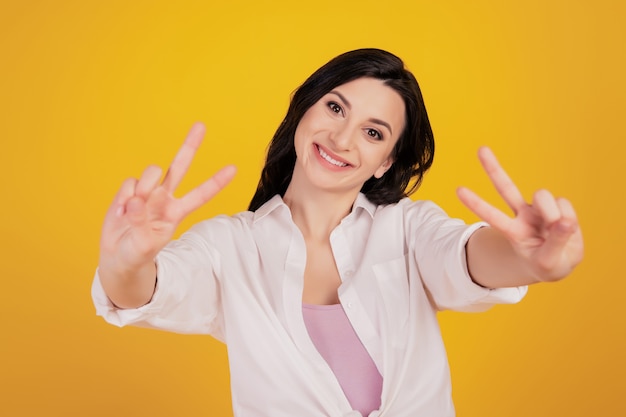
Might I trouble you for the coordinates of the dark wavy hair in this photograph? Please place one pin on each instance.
(413, 153)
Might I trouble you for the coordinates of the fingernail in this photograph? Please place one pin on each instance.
(567, 226)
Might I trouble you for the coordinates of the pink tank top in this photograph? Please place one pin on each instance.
(337, 342)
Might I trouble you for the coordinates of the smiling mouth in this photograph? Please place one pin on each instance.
(329, 159)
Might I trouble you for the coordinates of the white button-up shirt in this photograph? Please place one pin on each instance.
(240, 279)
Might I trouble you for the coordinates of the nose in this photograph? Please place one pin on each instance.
(344, 136)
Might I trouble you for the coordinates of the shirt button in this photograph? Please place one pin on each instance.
(350, 305)
(349, 273)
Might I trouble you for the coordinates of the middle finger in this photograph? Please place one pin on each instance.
(182, 161)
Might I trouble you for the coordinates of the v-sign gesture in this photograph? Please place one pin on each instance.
(542, 242)
(142, 220)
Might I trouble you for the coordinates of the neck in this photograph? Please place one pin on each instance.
(317, 212)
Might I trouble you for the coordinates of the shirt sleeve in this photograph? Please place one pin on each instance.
(187, 295)
(438, 245)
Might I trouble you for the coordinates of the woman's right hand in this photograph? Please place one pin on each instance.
(142, 220)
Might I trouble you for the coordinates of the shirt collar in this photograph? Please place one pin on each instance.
(277, 201)
(268, 207)
(362, 202)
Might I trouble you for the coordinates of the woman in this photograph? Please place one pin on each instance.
(326, 290)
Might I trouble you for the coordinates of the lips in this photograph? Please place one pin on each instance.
(331, 159)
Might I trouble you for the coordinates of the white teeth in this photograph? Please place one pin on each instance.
(329, 159)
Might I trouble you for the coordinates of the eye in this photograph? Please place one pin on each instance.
(334, 107)
(375, 134)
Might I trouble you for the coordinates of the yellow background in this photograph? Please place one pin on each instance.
(92, 92)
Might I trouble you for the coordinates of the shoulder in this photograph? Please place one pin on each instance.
(405, 205)
(221, 228)
(418, 219)
(246, 224)
(410, 209)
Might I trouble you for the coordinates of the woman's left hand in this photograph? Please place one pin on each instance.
(545, 234)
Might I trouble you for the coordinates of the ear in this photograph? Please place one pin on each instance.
(384, 167)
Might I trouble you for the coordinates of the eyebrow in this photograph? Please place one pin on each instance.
(349, 106)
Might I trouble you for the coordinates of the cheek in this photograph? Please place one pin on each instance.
(314, 119)
(300, 140)
(379, 156)
(307, 128)
(302, 126)
(298, 135)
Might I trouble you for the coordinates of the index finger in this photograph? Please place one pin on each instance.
(500, 179)
(182, 161)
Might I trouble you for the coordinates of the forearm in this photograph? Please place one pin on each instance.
(492, 262)
(128, 288)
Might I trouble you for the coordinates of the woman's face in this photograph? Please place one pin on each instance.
(348, 136)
